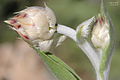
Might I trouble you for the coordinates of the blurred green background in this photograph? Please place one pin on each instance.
(70, 13)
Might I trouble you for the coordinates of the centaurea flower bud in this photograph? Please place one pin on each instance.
(100, 35)
(35, 25)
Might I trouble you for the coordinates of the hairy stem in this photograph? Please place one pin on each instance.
(67, 31)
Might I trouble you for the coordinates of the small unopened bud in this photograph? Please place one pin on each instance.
(35, 25)
(96, 30)
(100, 35)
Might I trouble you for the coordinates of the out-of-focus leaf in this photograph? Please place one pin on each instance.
(58, 67)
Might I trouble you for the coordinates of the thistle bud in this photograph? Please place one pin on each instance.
(100, 34)
(35, 25)
(95, 30)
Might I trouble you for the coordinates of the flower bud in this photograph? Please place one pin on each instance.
(35, 25)
(96, 30)
(100, 35)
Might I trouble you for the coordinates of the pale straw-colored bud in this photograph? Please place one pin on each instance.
(96, 30)
(100, 35)
(36, 25)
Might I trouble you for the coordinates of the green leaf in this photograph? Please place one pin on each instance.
(61, 70)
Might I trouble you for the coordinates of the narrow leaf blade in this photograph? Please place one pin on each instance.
(58, 67)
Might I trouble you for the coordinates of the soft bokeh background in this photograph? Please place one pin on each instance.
(19, 62)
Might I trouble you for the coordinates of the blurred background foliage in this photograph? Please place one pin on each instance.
(70, 13)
